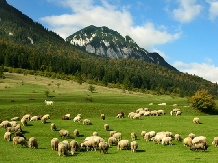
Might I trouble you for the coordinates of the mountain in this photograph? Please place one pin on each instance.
(105, 42)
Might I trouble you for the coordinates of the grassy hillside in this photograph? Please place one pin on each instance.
(21, 94)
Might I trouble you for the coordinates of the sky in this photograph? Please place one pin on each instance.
(183, 32)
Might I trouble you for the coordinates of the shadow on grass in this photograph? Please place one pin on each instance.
(81, 135)
(141, 150)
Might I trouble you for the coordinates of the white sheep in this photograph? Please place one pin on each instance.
(178, 113)
(76, 132)
(19, 140)
(89, 144)
(147, 136)
(196, 120)
(137, 116)
(161, 112)
(102, 116)
(132, 114)
(158, 138)
(27, 117)
(133, 136)
(103, 146)
(123, 144)
(215, 141)
(191, 135)
(34, 118)
(67, 115)
(15, 119)
(106, 127)
(143, 133)
(33, 143)
(117, 135)
(53, 127)
(139, 109)
(187, 141)
(154, 112)
(167, 141)
(5, 124)
(77, 119)
(24, 121)
(112, 133)
(200, 146)
(95, 133)
(147, 113)
(62, 149)
(74, 146)
(54, 144)
(64, 133)
(49, 102)
(87, 122)
(199, 139)
(134, 146)
(177, 137)
(7, 136)
(112, 141)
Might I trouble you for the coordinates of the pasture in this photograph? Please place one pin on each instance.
(21, 94)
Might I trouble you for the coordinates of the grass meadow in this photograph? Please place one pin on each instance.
(21, 94)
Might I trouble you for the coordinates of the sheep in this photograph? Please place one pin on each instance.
(95, 133)
(49, 102)
(187, 141)
(47, 116)
(132, 114)
(24, 121)
(178, 113)
(215, 141)
(62, 149)
(67, 115)
(134, 146)
(118, 136)
(123, 144)
(167, 141)
(146, 109)
(43, 120)
(158, 138)
(191, 135)
(137, 116)
(74, 146)
(34, 118)
(7, 136)
(77, 119)
(143, 133)
(65, 118)
(133, 136)
(27, 117)
(33, 143)
(152, 133)
(87, 122)
(106, 127)
(154, 112)
(20, 134)
(177, 137)
(112, 133)
(147, 113)
(102, 116)
(200, 146)
(103, 146)
(89, 144)
(53, 127)
(196, 120)
(161, 112)
(76, 132)
(147, 136)
(162, 104)
(199, 139)
(19, 140)
(142, 112)
(120, 115)
(67, 144)
(64, 133)
(54, 144)
(5, 124)
(10, 129)
(175, 110)
(112, 141)
(15, 119)
(139, 109)
(13, 123)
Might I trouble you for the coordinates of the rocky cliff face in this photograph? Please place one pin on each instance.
(105, 42)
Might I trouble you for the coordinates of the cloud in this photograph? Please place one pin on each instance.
(162, 54)
(188, 10)
(118, 18)
(204, 70)
(213, 11)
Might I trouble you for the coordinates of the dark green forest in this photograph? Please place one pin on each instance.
(49, 55)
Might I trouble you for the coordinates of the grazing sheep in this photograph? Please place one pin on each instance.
(133, 136)
(54, 144)
(53, 127)
(74, 146)
(118, 136)
(15, 119)
(65, 118)
(7, 136)
(19, 140)
(77, 119)
(167, 141)
(178, 113)
(177, 137)
(120, 115)
(20, 134)
(64, 133)
(24, 121)
(47, 116)
(196, 120)
(142, 112)
(67, 144)
(87, 122)
(147, 136)
(33, 143)
(62, 149)
(137, 116)
(199, 139)
(152, 133)
(134, 146)
(103, 146)
(132, 114)
(89, 144)
(187, 142)
(5, 124)
(95, 133)
(49, 102)
(34, 118)
(158, 138)
(147, 113)
(67, 115)
(123, 144)
(215, 141)
(76, 132)
(27, 117)
(175, 110)
(200, 146)
(112, 133)
(154, 112)
(102, 116)
(13, 123)
(160, 112)
(106, 127)
(143, 133)
(112, 141)
(139, 109)
(10, 129)
(43, 120)
(191, 135)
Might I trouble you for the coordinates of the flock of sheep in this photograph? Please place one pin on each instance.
(94, 141)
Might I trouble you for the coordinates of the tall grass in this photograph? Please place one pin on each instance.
(25, 94)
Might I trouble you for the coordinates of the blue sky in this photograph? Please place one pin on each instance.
(184, 32)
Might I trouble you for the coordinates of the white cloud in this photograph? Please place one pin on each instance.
(204, 70)
(118, 18)
(213, 11)
(188, 10)
(162, 54)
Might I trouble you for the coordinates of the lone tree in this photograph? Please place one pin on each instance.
(202, 100)
(91, 88)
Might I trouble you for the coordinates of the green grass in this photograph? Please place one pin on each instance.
(72, 98)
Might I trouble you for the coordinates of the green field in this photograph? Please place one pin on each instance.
(21, 94)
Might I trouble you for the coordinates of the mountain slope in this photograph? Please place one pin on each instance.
(105, 42)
